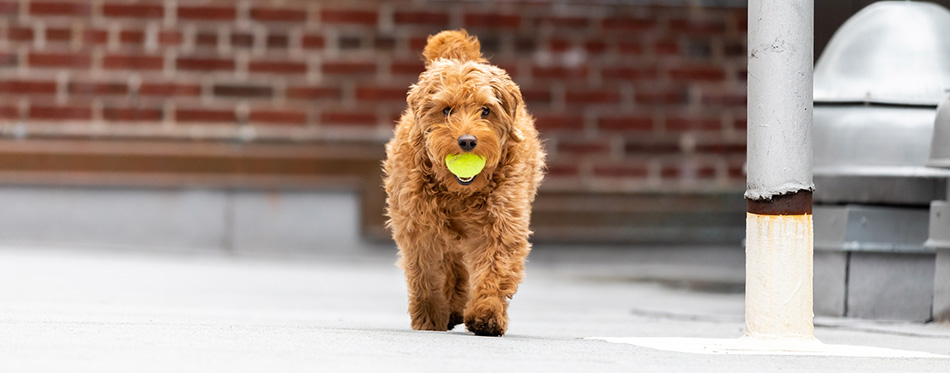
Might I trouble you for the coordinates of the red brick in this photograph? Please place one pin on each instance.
(561, 170)
(278, 67)
(60, 112)
(66, 60)
(207, 13)
(737, 171)
(278, 116)
(205, 64)
(421, 18)
(630, 47)
(694, 73)
(94, 36)
(621, 171)
(739, 123)
(60, 8)
(413, 68)
(629, 73)
(169, 89)
(417, 43)
(670, 172)
(59, 34)
(205, 115)
(559, 45)
(625, 123)
(278, 15)
(577, 96)
(27, 87)
(652, 95)
(348, 68)
(666, 47)
(536, 96)
(704, 172)
(132, 36)
(721, 148)
(169, 38)
(595, 47)
(8, 59)
(133, 10)
(559, 72)
(697, 27)
(97, 88)
(9, 111)
(20, 33)
(208, 38)
(242, 40)
(724, 99)
(312, 41)
(133, 62)
(628, 24)
(492, 20)
(313, 93)
(736, 49)
(583, 146)
(126, 114)
(9, 7)
(373, 93)
(243, 91)
(277, 41)
(349, 16)
(559, 122)
(563, 21)
(361, 118)
(651, 147)
(693, 123)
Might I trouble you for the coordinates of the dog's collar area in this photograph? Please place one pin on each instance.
(465, 181)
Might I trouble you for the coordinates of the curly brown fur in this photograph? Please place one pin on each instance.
(462, 247)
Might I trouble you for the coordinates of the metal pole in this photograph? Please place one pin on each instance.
(779, 236)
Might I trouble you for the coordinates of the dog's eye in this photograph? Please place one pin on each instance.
(447, 111)
(485, 112)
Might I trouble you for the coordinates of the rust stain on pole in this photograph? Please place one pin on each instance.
(797, 203)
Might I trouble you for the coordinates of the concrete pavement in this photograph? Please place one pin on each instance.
(95, 310)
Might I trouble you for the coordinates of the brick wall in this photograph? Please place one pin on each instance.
(629, 96)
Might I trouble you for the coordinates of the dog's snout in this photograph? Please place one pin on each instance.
(467, 142)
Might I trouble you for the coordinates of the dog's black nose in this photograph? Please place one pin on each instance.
(467, 142)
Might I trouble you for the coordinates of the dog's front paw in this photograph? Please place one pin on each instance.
(454, 319)
(487, 319)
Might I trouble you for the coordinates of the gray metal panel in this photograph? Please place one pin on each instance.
(940, 149)
(852, 136)
(891, 286)
(830, 224)
(886, 228)
(136, 218)
(941, 310)
(878, 189)
(890, 52)
(939, 232)
(831, 270)
(871, 228)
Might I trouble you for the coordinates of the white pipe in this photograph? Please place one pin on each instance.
(779, 158)
(779, 245)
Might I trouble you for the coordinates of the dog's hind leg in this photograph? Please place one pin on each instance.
(425, 278)
(456, 287)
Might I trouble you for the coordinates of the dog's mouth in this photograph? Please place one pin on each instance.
(465, 181)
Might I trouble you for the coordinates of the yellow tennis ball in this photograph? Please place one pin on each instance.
(465, 165)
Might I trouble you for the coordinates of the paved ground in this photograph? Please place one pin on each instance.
(93, 310)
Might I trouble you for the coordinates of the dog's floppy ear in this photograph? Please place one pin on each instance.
(453, 44)
(509, 97)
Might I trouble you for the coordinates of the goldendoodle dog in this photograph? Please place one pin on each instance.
(462, 230)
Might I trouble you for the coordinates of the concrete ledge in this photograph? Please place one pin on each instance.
(244, 221)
